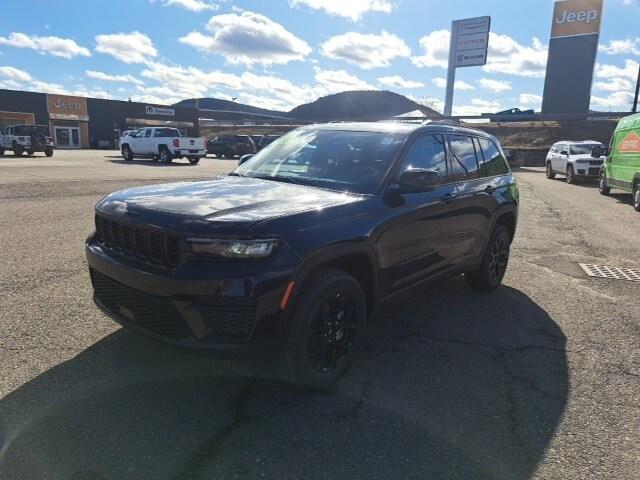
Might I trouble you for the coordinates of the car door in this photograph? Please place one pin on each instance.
(415, 242)
(563, 157)
(472, 192)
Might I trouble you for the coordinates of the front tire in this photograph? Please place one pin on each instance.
(326, 330)
(636, 197)
(1, 152)
(18, 151)
(494, 263)
(571, 178)
(602, 184)
(127, 153)
(49, 152)
(194, 160)
(549, 172)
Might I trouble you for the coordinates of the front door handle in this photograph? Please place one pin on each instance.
(490, 189)
(447, 198)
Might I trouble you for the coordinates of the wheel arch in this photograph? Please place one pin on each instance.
(356, 259)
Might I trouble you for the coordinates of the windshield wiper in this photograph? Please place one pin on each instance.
(294, 180)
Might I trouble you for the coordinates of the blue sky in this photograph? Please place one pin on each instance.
(280, 53)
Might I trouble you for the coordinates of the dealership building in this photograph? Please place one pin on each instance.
(79, 122)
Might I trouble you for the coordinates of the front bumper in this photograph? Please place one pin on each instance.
(586, 170)
(196, 305)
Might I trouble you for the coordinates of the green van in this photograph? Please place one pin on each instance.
(621, 170)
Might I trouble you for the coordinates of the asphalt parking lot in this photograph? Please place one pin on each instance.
(540, 379)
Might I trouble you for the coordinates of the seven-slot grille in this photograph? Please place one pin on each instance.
(149, 245)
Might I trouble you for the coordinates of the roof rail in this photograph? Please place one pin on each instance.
(447, 121)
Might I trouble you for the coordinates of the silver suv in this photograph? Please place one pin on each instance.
(574, 160)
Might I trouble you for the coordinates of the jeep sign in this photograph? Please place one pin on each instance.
(576, 17)
(575, 29)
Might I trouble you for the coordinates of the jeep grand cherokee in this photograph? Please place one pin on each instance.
(303, 240)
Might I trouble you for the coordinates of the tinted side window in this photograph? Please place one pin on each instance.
(427, 152)
(494, 163)
(147, 132)
(463, 157)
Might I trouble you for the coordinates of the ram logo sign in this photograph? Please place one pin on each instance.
(576, 17)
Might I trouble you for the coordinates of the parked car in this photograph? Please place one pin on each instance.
(621, 170)
(303, 240)
(267, 140)
(162, 144)
(229, 146)
(574, 161)
(26, 138)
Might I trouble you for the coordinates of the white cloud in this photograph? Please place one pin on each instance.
(478, 106)
(629, 46)
(366, 50)
(614, 85)
(398, 82)
(530, 99)
(193, 5)
(459, 85)
(629, 71)
(353, 9)
(334, 81)
(435, 46)
(249, 38)
(112, 78)
(56, 46)
(505, 55)
(615, 101)
(133, 47)
(14, 74)
(496, 86)
(509, 57)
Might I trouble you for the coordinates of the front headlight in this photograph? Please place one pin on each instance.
(257, 248)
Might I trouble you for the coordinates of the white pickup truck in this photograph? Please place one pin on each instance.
(26, 138)
(162, 144)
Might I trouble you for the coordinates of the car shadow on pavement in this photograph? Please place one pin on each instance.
(451, 384)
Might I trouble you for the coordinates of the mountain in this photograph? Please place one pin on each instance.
(358, 105)
(219, 104)
(363, 105)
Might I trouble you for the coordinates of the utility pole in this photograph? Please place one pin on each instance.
(451, 71)
(635, 99)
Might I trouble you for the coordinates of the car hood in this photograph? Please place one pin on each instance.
(223, 199)
(585, 157)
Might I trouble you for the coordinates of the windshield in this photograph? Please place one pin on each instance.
(338, 160)
(583, 149)
(166, 133)
(31, 129)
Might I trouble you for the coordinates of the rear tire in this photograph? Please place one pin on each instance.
(494, 263)
(549, 172)
(194, 160)
(18, 151)
(165, 156)
(326, 330)
(636, 197)
(127, 154)
(1, 152)
(602, 184)
(30, 153)
(571, 178)
(49, 152)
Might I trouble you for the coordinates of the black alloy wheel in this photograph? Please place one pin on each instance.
(494, 263)
(327, 329)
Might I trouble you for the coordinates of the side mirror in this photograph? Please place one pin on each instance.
(418, 180)
(244, 158)
(564, 152)
(597, 152)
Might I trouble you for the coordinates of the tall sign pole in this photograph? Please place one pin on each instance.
(468, 48)
(635, 99)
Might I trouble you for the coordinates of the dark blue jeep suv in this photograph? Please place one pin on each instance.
(305, 238)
